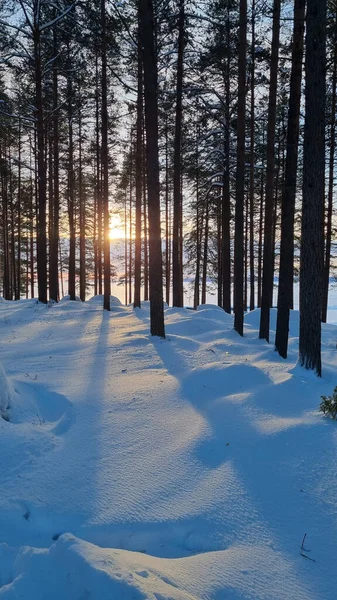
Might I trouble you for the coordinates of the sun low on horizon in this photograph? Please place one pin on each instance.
(117, 231)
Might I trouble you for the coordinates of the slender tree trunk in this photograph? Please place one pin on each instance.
(219, 252)
(152, 163)
(313, 189)
(126, 249)
(196, 300)
(205, 257)
(267, 276)
(327, 258)
(167, 220)
(81, 208)
(198, 233)
(98, 183)
(54, 241)
(4, 193)
(260, 248)
(61, 268)
(95, 243)
(130, 218)
(139, 171)
(245, 287)
(12, 229)
(31, 228)
(240, 175)
(226, 200)
(71, 193)
(49, 145)
(286, 274)
(41, 168)
(105, 165)
(145, 243)
(177, 264)
(18, 282)
(251, 168)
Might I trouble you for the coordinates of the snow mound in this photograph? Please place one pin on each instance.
(252, 318)
(72, 569)
(114, 301)
(211, 311)
(6, 394)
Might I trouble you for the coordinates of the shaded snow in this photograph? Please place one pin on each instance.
(189, 467)
(6, 394)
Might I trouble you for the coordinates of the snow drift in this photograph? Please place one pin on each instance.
(185, 468)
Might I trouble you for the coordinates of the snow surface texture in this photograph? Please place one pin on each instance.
(185, 468)
(6, 394)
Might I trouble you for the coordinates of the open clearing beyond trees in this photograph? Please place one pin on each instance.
(190, 467)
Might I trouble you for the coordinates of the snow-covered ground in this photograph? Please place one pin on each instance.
(185, 468)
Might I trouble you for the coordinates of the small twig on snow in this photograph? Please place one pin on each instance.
(305, 550)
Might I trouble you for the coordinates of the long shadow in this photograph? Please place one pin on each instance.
(60, 482)
(266, 432)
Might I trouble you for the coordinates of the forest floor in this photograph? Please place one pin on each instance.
(185, 468)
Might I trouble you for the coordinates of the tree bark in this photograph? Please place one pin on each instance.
(105, 166)
(286, 273)
(54, 241)
(240, 176)
(139, 179)
(71, 191)
(152, 164)
(251, 168)
(267, 275)
(311, 265)
(327, 258)
(177, 263)
(41, 166)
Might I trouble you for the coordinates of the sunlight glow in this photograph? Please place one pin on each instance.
(116, 228)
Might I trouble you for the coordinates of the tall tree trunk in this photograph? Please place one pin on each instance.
(251, 168)
(177, 264)
(105, 165)
(226, 199)
(245, 246)
(125, 249)
(41, 167)
(71, 191)
(313, 189)
(31, 228)
(240, 175)
(260, 246)
(11, 236)
(61, 269)
(98, 182)
(81, 207)
(139, 179)
(18, 285)
(286, 274)
(95, 240)
(205, 256)
(130, 218)
(54, 241)
(219, 252)
(196, 298)
(145, 242)
(167, 220)
(152, 163)
(327, 258)
(267, 276)
(4, 194)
